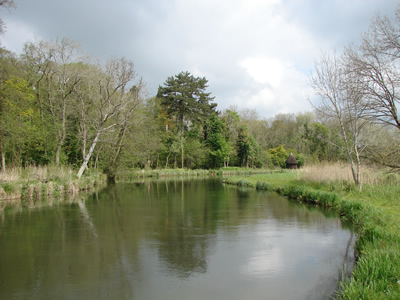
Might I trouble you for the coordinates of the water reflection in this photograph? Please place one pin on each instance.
(171, 239)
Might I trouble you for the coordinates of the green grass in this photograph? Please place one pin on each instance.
(131, 175)
(375, 213)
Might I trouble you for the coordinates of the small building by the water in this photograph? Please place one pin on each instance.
(291, 162)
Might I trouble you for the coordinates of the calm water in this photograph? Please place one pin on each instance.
(191, 239)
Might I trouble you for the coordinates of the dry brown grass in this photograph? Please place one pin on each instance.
(10, 175)
(339, 172)
(37, 173)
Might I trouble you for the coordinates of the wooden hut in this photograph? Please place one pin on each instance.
(291, 162)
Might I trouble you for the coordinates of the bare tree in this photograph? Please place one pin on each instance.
(376, 63)
(124, 117)
(112, 99)
(342, 101)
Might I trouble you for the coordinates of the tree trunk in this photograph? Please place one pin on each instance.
(3, 161)
(58, 150)
(112, 170)
(166, 161)
(96, 161)
(91, 149)
(3, 157)
(83, 143)
(182, 164)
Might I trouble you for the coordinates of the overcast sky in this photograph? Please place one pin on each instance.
(256, 54)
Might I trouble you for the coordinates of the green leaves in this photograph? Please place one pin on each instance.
(184, 99)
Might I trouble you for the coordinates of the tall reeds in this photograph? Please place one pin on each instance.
(339, 172)
(37, 181)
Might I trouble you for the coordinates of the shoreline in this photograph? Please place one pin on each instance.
(376, 271)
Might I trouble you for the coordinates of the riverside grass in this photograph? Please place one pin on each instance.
(374, 211)
(132, 175)
(34, 182)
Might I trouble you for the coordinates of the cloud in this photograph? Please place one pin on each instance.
(281, 87)
(17, 33)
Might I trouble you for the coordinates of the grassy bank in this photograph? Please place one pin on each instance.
(131, 175)
(374, 211)
(34, 182)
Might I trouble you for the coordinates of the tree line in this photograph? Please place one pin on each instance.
(60, 106)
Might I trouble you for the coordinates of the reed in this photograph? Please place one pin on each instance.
(37, 181)
(339, 172)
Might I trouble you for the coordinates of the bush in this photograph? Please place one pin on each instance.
(263, 186)
(9, 188)
(245, 182)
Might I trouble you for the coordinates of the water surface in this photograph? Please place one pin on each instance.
(176, 239)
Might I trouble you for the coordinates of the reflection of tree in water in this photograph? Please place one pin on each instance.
(184, 254)
(184, 243)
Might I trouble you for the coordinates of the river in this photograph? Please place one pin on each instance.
(172, 239)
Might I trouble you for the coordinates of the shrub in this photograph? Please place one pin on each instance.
(263, 186)
(9, 188)
(244, 182)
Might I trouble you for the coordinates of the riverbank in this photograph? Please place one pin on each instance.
(35, 182)
(374, 211)
(132, 175)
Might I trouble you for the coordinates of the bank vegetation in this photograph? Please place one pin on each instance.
(374, 211)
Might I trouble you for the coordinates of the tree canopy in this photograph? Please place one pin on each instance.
(185, 100)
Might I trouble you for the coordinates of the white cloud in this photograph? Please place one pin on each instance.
(17, 34)
(281, 87)
(264, 70)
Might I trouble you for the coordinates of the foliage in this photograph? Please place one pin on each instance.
(185, 100)
(279, 156)
(220, 148)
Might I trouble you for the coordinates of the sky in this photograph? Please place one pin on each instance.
(255, 54)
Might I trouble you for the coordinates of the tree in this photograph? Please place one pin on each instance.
(220, 148)
(55, 67)
(375, 62)
(123, 120)
(16, 113)
(341, 101)
(186, 103)
(185, 99)
(111, 100)
(247, 147)
(279, 156)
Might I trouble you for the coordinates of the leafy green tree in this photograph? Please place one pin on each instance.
(247, 147)
(55, 64)
(186, 103)
(196, 153)
(16, 118)
(279, 155)
(220, 148)
(185, 99)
